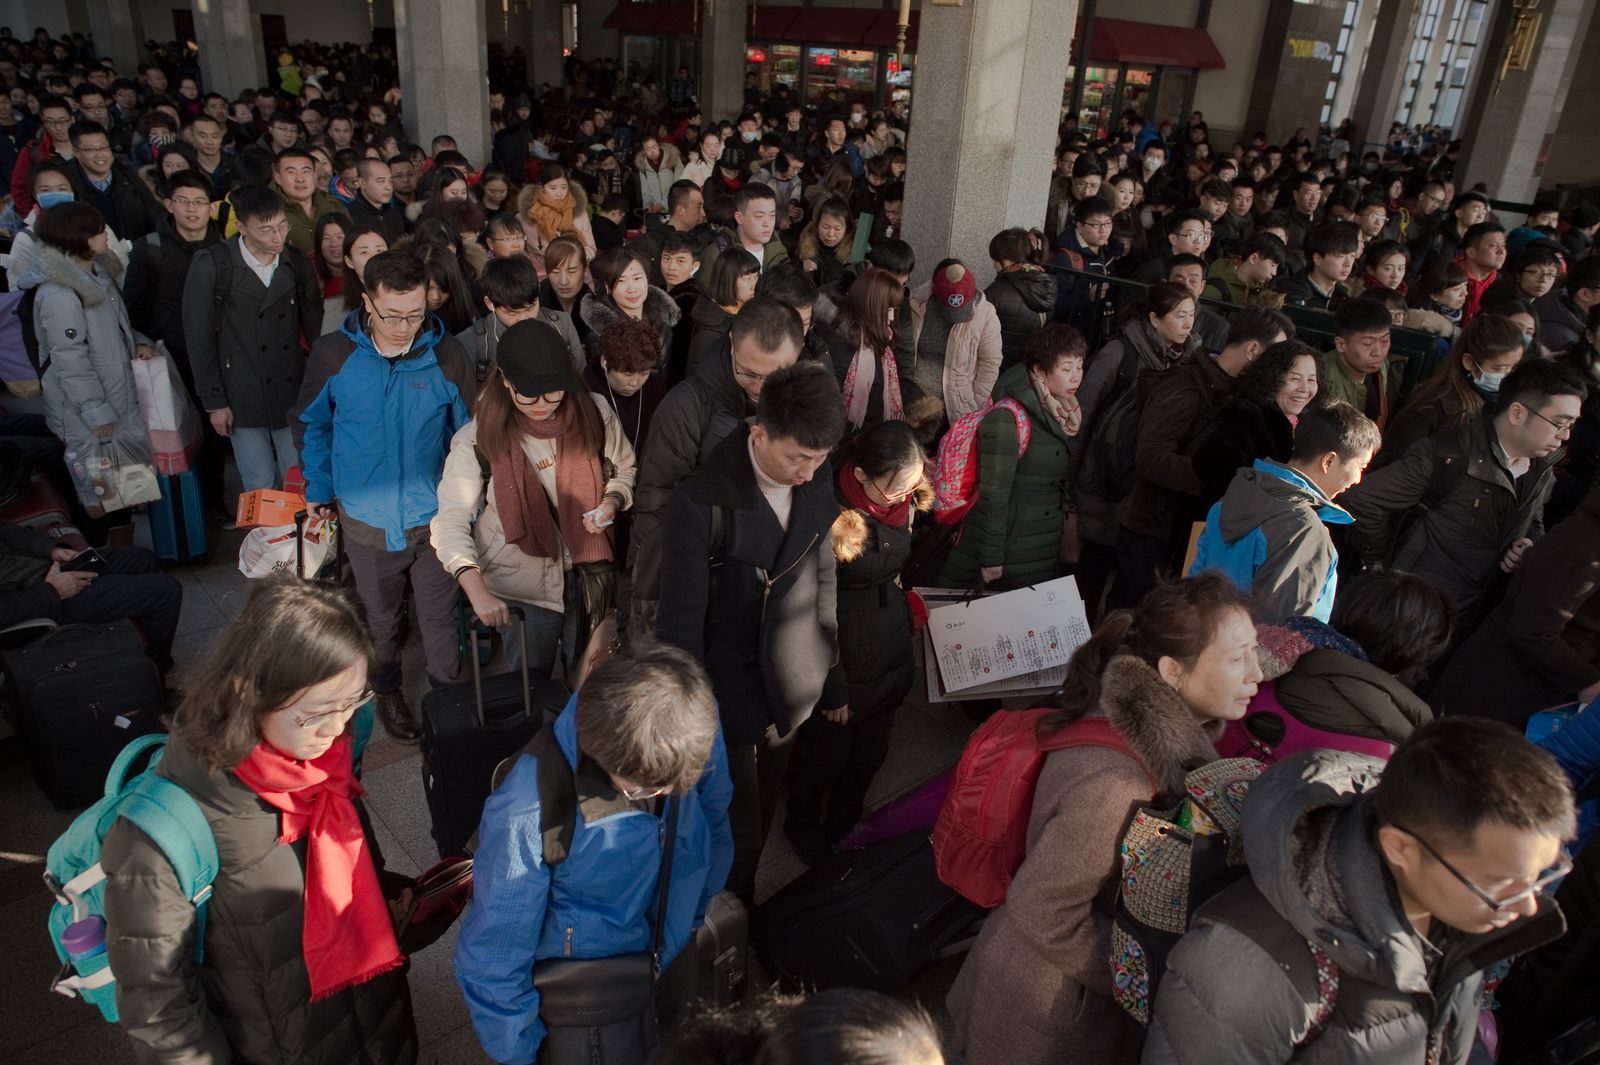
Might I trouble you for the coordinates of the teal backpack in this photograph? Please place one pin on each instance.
(166, 813)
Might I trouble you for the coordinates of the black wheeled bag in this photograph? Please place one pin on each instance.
(876, 917)
(80, 694)
(468, 729)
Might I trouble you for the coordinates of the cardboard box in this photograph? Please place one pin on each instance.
(268, 506)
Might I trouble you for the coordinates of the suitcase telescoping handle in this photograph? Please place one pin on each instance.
(500, 724)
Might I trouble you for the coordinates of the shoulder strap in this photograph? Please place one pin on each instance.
(558, 796)
(483, 463)
(222, 266)
(1095, 732)
(169, 815)
(1019, 414)
(1127, 369)
(300, 266)
(717, 550)
(664, 881)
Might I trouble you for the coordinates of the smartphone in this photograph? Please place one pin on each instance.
(86, 561)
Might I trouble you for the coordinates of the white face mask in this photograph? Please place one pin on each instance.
(749, 134)
(1152, 165)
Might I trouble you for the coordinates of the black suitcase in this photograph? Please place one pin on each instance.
(713, 968)
(875, 917)
(467, 730)
(80, 694)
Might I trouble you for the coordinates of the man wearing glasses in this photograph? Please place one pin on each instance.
(379, 404)
(697, 415)
(129, 207)
(1374, 904)
(1460, 508)
(55, 115)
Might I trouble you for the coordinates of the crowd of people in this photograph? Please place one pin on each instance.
(672, 365)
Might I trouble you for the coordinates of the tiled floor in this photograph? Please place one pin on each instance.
(47, 1029)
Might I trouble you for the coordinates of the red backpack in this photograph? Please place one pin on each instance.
(981, 836)
(955, 487)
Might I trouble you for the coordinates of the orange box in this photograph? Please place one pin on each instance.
(268, 506)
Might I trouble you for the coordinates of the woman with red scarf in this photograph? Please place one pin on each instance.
(531, 489)
(300, 960)
(879, 487)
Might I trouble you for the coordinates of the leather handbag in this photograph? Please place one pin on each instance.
(602, 1011)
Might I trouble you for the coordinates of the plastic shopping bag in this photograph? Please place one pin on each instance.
(114, 473)
(270, 549)
(173, 422)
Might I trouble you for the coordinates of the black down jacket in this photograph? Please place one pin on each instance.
(874, 624)
(249, 1003)
(1024, 300)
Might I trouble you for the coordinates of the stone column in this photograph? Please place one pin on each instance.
(1383, 71)
(545, 60)
(988, 102)
(444, 72)
(721, 75)
(232, 56)
(114, 26)
(1508, 124)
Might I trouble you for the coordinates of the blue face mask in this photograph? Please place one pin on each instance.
(1487, 384)
(47, 200)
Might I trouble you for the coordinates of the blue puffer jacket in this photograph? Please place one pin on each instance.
(375, 431)
(1576, 745)
(598, 903)
(1266, 535)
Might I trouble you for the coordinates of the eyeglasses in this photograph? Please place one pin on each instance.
(747, 375)
(1562, 427)
(544, 397)
(1542, 275)
(1104, 223)
(185, 201)
(641, 794)
(401, 319)
(94, 149)
(1562, 867)
(350, 707)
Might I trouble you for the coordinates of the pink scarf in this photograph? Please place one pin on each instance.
(858, 387)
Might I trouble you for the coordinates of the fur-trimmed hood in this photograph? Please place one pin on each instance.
(852, 527)
(1429, 322)
(1156, 722)
(49, 265)
(925, 415)
(660, 310)
(810, 244)
(671, 159)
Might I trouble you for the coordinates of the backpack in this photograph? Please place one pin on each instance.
(1268, 732)
(1108, 463)
(1175, 860)
(981, 835)
(955, 487)
(23, 309)
(169, 815)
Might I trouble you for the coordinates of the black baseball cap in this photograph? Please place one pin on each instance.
(534, 358)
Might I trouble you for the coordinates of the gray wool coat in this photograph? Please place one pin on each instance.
(249, 1002)
(88, 344)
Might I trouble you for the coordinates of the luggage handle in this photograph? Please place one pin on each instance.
(502, 724)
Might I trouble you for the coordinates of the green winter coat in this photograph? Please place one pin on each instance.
(1016, 522)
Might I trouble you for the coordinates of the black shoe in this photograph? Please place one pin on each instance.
(397, 719)
(809, 843)
(220, 518)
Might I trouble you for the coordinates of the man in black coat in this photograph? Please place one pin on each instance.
(130, 209)
(375, 204)
(750, 589)
(152, 288)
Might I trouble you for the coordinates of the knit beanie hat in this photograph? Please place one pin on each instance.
(955, 287)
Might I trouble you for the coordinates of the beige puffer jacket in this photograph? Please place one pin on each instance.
(466, 531)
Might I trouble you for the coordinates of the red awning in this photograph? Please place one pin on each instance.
(1118, 40)
(844, 27)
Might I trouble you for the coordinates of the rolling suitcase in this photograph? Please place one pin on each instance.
(876, 917)
(713, 968)
(178, 518)
(81, 693)
(467, 730)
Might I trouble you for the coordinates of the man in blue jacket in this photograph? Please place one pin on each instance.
(1268, 534)
(382, 397)
(641, 735)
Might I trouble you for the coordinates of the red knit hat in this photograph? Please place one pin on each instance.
(954, 286)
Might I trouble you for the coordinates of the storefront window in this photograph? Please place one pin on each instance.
(841, 76)
(774, 63)
(1136, 86)
(1096, 115)
(897, 76)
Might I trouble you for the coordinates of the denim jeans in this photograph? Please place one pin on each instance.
(264, 456)
(548, 632)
